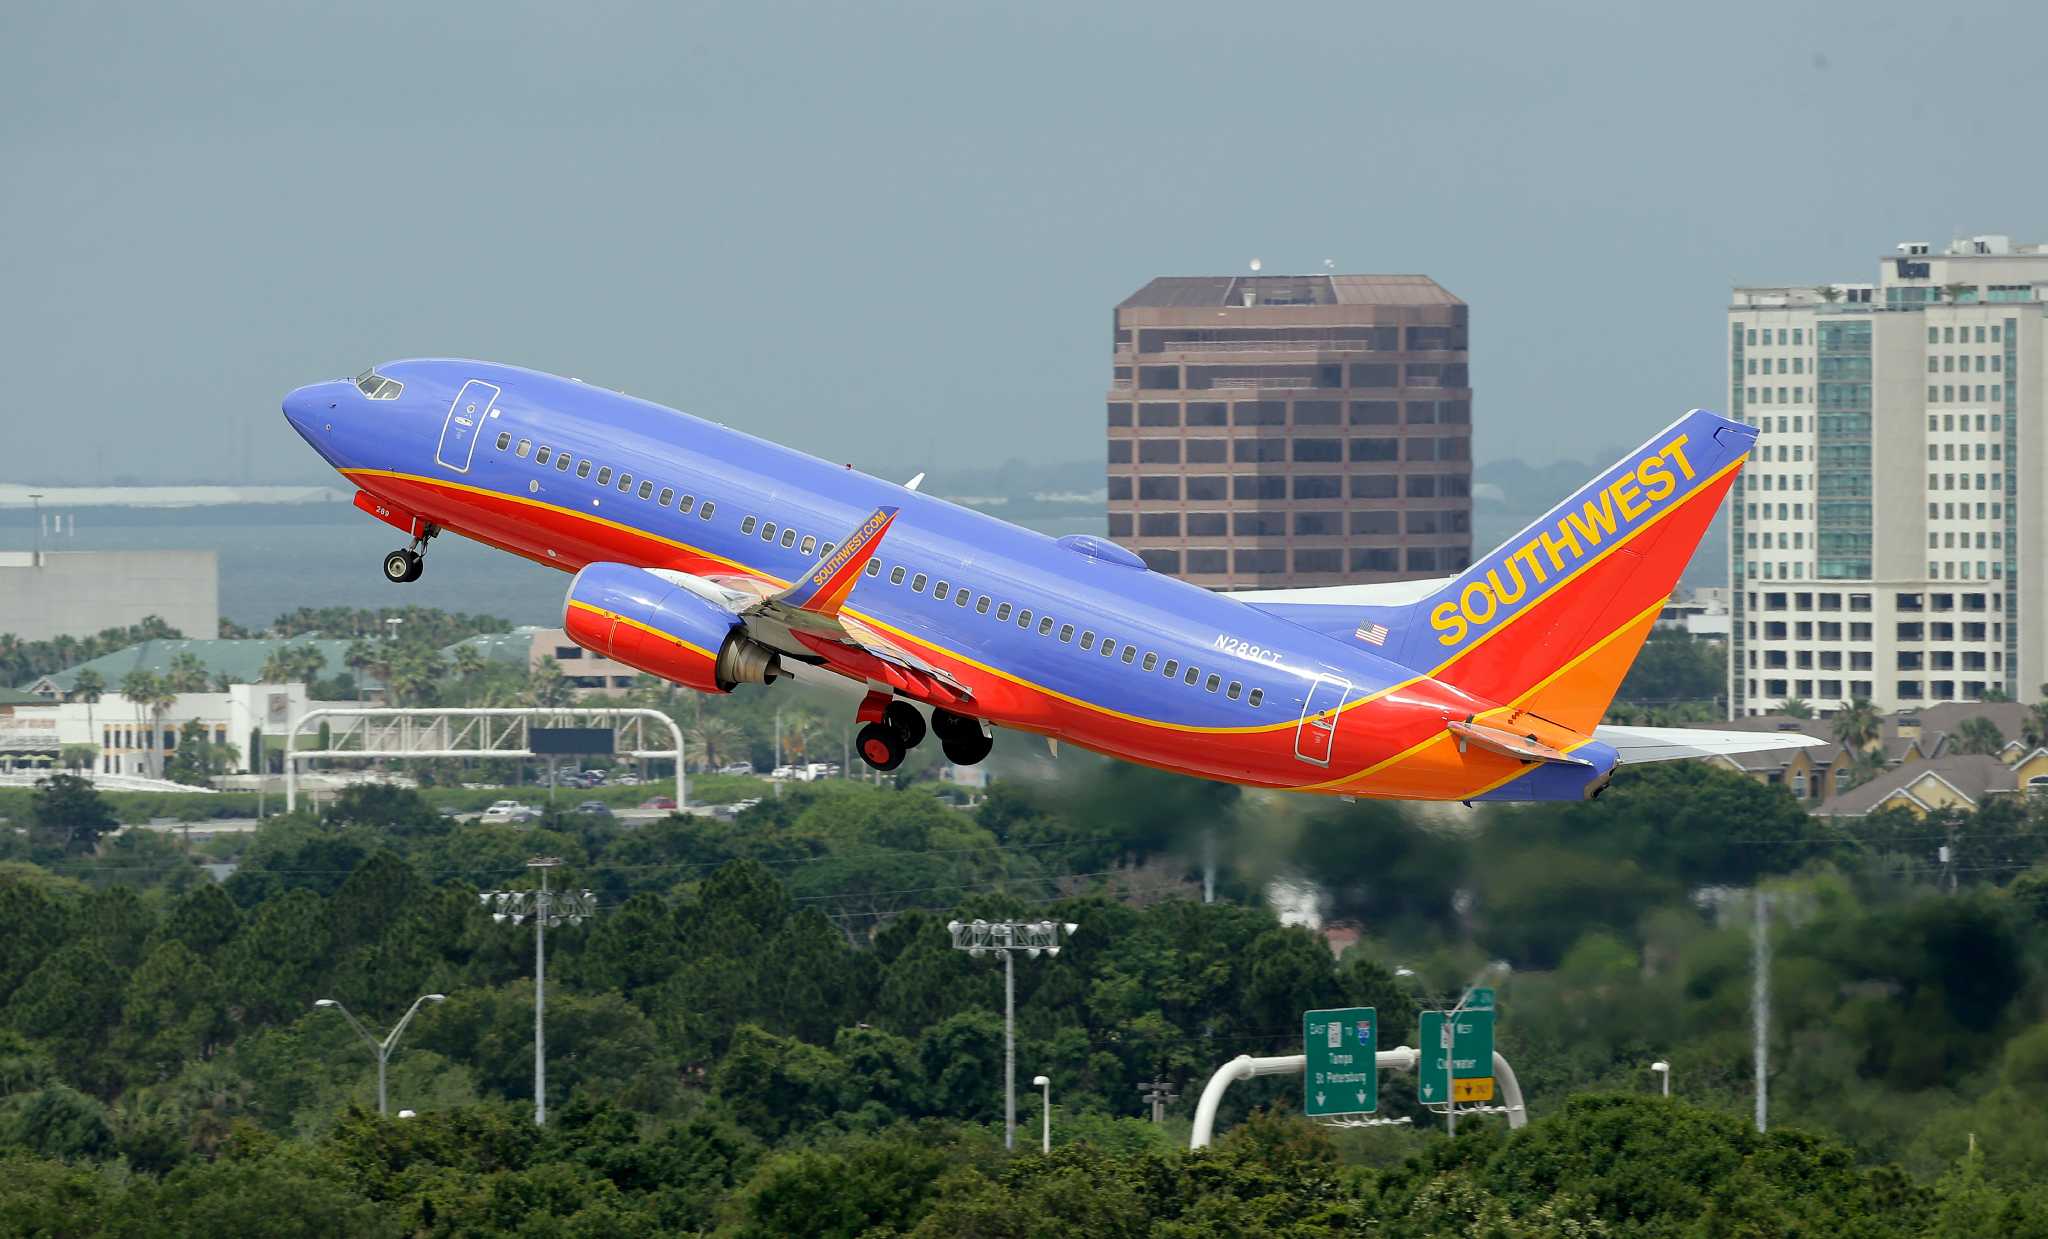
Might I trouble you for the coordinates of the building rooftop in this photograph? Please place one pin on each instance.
(1190, 292)
(1924, 785)
(237, 660)
(501, 647)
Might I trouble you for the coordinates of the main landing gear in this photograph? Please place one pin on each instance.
(405, 565)
(884, 742)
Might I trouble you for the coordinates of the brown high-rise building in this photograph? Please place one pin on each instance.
(1292, 430)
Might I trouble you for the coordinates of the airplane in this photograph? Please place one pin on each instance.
(713, 558)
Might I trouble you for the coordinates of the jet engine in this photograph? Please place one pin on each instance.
(649, 622)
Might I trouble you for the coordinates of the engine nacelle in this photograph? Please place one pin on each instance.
(633, 616)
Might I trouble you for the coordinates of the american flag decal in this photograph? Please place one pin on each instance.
(1372, 634)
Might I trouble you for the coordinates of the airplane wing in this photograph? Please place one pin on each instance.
(807, 619)
(1644, 744)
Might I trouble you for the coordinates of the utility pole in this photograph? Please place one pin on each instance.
(1209, 865)
(547, 908)
(1006, 938)
(1158, 1092)
(382, 1049)
(1760, 1002)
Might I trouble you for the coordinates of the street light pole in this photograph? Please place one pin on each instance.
(1663, 1069)
(546, 907)
(1005, 938)
(1045, 1113)
(382, 1049)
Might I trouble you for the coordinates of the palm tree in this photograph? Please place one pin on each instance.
(1858, 725)
(141, 687)
(275, 669)
(1793, 707)
(306, 662)
(414, 671)
(711, 739)
(800, 729)
(468, 661)
(1979, 735)
(187, 674)
(89, 686)
(547, 685)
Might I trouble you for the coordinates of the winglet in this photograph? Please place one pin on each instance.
(824, 588)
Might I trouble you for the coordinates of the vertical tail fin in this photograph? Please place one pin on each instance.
(1551, 620)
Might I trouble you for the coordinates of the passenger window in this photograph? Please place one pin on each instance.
(1066, 632)
(1044, 623)
(646, 489)
(896, 575)
(746, 526)
(1108, 647)
(604, 476)
(960, 598)
(625, 482)
(1003, 614)
(705, 512)
(1235, 689)
(1214, 680)
(768, 532)
(874, 567)
(1087, 640)
(827, 550)
(541, 454)
(1130, 652)
(810, 545)
(684, 504)
(1172, 665)
(981, 605)
(1151, 662)
(1258, 695)
(1192, 675)
(504, 439)
(788, 538)
(917, 583)
(941, 590)
(583, 469)
(525, 446)
(667, 493)
(562, 462)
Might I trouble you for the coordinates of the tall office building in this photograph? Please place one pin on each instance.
(1887, 537)
(1292, 430)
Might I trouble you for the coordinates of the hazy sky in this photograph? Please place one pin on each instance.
(896, 231)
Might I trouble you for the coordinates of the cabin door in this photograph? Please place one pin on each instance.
(1316, 738)
(465, 423)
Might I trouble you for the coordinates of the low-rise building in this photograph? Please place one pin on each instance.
(130, 738)
(224, 660)
(528, 645)
(1908, 739)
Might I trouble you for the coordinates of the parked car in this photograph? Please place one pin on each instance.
(736, 767)
(784, 772)
(510, 811)
(659, 802)
(594, 808)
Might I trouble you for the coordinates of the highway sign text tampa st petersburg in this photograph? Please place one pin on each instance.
(1342, 1047)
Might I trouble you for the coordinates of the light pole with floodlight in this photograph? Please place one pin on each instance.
(1045, 1113)
(1006, 938)
(382, 1049)
(1663, 1069)
(546, 908)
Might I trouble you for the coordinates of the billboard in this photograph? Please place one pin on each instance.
(568, 741)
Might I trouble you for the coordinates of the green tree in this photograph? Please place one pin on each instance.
(69, 810)
(1793, 707)
(546, 684)
(197, 759)
(2034, 727)
(89, 686)
(1979, 735)
(1858, 725)
(187, 674)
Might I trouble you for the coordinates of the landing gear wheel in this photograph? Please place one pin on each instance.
(967, 748)
(880, 746)
(403, 566)
(909, 724)
(946, 725)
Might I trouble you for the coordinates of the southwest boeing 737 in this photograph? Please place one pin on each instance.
(713, 558)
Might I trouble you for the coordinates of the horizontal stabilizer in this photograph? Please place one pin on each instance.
(1508, 744)
(1635, 745)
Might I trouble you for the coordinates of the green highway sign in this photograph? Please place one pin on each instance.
(1479, 998)
(1343, 1067)
(1463, 1053)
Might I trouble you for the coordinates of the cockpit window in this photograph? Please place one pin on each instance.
(377, 387)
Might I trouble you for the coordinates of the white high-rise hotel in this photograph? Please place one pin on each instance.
(1887, 539)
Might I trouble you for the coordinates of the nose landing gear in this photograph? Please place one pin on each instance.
(406, 565)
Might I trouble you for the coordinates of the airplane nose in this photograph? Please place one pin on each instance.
(311, 408)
